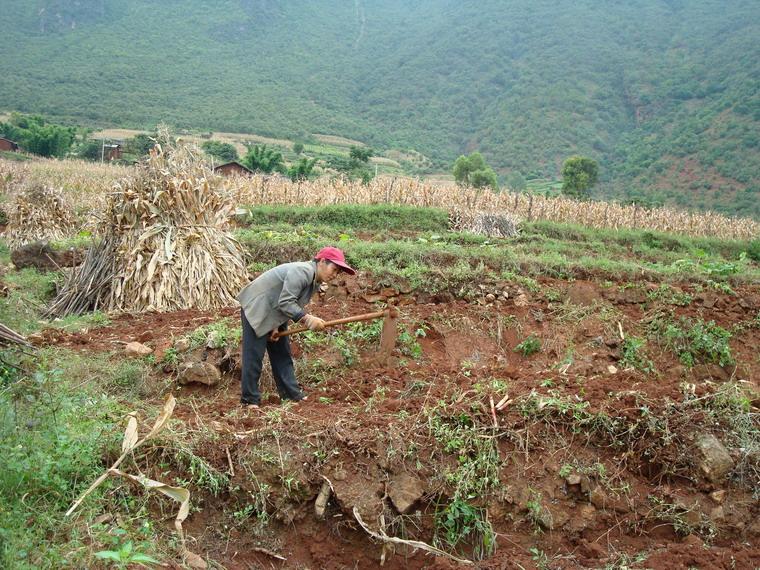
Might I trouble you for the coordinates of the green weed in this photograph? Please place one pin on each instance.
(694, 341)
(220, 334)
(126, 555)
(459, 523)
(530, 345)
(633, 355)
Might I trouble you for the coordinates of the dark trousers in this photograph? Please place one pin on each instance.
(280, 358)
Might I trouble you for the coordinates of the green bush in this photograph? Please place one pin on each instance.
(695, 341)
(529, 346)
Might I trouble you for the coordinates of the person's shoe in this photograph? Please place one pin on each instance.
(249, 406)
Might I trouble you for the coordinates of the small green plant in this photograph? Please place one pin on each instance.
(539, 557)
(460, 522)
(697, 341)
(565, 470)
(552, 295)
(529, 346)
(667, 294)
(536, 514)
(377, 396)
(633, 357)
(171, 356)
(222, 333)
(679, 517)
(724, 288)
(126, 555)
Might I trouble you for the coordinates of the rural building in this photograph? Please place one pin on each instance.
(8, 144)
(112, 151)
(232, 168)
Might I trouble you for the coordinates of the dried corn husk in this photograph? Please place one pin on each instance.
(38, 213)
(164, 242)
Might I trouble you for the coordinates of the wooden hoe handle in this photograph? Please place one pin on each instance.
(390, 312)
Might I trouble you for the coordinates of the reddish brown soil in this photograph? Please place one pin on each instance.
(364, 424)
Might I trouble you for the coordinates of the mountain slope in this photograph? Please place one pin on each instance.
(662, 92)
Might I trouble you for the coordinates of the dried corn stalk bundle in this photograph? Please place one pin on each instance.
(164, 242)
(484, 223)
(38, 213)
(10, 337)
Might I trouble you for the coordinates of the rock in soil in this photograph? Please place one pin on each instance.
(713, 458)
(405, 490)
(137, 349)
(199, 373)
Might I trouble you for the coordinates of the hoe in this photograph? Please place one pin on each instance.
(387, 336)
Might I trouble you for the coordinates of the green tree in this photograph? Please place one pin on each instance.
(516, 181)
(37, 136)
(225, 152)
(579, 174)
(260, 158)
(140, 144)
(302, 169)
(360, 153)
(298, 147)
(473, 171)
(88, 149)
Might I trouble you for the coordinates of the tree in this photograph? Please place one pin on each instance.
(259, 158)
(140, 144)
(302, 169)
(516, 181)
(225, 152)
(298, 147)
(361, 154)
(355, 166)
(89, 149)
(38, 136)
(473, 171)
(579, 174)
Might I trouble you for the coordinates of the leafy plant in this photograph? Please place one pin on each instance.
(126, 555)
(460, 522)
(695, 341)
(633, 356)
(529, 346)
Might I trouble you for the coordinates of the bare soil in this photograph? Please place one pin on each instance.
(366, 425)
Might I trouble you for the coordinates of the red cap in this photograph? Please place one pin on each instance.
(336, 256)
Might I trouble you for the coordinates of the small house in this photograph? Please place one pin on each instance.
(112, 151)
(232, 169)
(8, 144)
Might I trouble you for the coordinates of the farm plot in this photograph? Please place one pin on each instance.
(544, 408)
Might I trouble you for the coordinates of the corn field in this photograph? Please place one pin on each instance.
(263, 190)
(88, 184)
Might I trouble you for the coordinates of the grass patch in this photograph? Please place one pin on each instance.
(402, 254)
(56, 428)
(29, 291)
(364, 217)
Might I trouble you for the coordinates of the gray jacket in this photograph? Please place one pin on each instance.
(278, 295)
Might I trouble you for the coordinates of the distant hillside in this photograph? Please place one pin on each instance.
(664, 93)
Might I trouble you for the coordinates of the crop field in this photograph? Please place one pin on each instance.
(88, 183)
(582, 394)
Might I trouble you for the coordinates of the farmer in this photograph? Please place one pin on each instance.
(268, 302)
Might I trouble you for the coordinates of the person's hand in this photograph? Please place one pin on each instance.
(313, 323)
(274, 336)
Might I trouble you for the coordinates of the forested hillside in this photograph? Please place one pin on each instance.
(663, 93)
